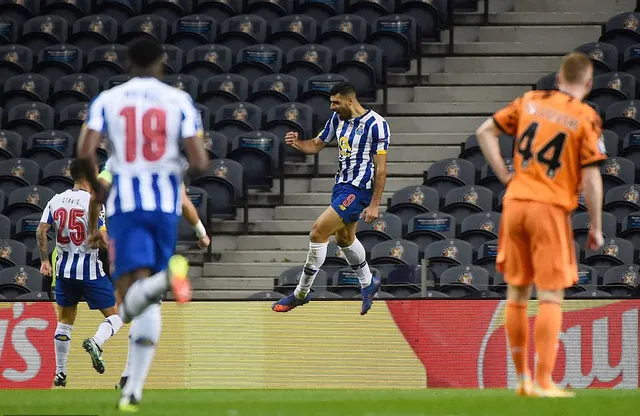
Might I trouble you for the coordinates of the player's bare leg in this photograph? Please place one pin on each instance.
(62, 341)
(357, 258)
(107, 328)
(548, 325)
(517, 326)
(324, 227)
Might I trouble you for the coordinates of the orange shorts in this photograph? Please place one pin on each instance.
(536, 246)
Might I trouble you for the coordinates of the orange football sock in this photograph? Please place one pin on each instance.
(518, 333)
(548, 325)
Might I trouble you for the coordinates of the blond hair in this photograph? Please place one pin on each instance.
(575, 67)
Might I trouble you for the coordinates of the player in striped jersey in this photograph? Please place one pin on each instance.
(144, 120)
(79, 272)
(363, 139)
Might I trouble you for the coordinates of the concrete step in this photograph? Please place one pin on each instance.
(301, 198)
(560, 47)
(391, 185)
(420, 139)
(566, 6)
(449, 108)
(265, 256)
(264, 227)
(501, 64)
(229, 283)
(527, 34)
(245, 270)
(399, 169)
(221, 294)
(466, 125)
(222, 243)
(536, 18)
(195, 271)
(486, 78)
(396, 95)
(408, 153)
(436, 94)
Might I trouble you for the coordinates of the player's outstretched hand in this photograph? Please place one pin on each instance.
(595, 240)
(291, 138)
(370, 213)
(204, 242)
(45, 268)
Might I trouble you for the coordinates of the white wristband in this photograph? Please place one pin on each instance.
(199, 229)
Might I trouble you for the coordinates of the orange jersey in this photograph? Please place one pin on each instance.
(556, 136)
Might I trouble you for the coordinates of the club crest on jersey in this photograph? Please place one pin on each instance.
(11, 57)
(450, 251)
(211, 57)
(397, 250)
(146, 26)
(292, 114)
(296, 26)
(47, 27)
(630, 277)
(277, 86)
(110, 56)
(97, 26)
(360, 129)
(221, 171)
(630, 111)
(5, 252)
(20, 278)
(379, 225)
(470, 197)
(240, 113)
(612, 168)
(346, 26)
(465, 278)
(631, 195)
(246, 27)
(417, 196)
(488, 226)
(33, 198)
(630, 23)
(311, 56)
(615, 84)
(611, 249)
(596, 54)
(452, 169)
(361, 56)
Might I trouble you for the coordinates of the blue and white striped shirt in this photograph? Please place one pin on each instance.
(145, 121)
(359, 139)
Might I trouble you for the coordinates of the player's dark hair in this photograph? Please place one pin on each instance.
(77, 170)
(343, 88)
(144, 52)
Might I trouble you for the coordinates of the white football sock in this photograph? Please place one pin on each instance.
(315, 258)
(127, 366)
(357, 259)
(143, 293)
(62, 341)
(108, 328)
(145, 332)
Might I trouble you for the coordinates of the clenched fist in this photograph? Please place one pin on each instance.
(291, 138)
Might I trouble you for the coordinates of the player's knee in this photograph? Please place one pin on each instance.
(67, 315)
(519, 294)
(344, 239)
(555, 296)
(317, 235)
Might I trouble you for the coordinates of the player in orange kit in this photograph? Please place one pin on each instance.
(557, 152)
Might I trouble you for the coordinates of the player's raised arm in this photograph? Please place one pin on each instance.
(313, 146)
(192, 134)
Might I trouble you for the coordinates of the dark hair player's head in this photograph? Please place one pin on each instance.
(344, 100)
(145, 56)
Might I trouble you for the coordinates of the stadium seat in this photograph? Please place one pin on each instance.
(596, 108)
(72, 117)
(221, 90)
(200, 201)
(14, 60)
(486, 257)
(344, 282)
(47, 146)
(615, 252)
(622, 201)
(27, 277)
(43, 31)
(631, 148)
(93, 31)
(611, 88)
(587, 280)
(499, 285)
(623, 118)
(11, 144)
(603, 56)
(387, 226)
(631, 61)
(621, 31)
(24, 89)
(106, 61)
(397, 36)
(192, 31)
(335, 257)
(320, 10)
(169, 10)
(20, 11)
(223, 182)
(40, 295)
(432, 294)
(26, 231)
(258, 60)
(459, 281)
(241, 31)
(427, 13)
(591, 294)
(478, 229)
(621, 281)
(59, 60)
(5, 223)
(205, 115)
(172, 59)
(236, 118)
(272, 90)
(341, 31)
(489, 180)
(269, 10)
(289, 32)
(363, 66)
(631, 229)
(73, 89)
(115, 81)
(219, 10)
(315, 94)
(466, 200)
(117, 9)
(371, 11)
(206, 61)
(473, 154)
(611, 143)
(307, 61)
(56, 176)
(12, 253)
(395, 252)
(401, 281)
(290, 117)
(580, 223)
(448, 253)
(186, 83)
(17, 173)
(259, 154)
(616, 171)
(26, 201)
(10, 32)
(149, 26)
(288, 280)
(410, 201)
(29, 119)
(425, 229)
(449, 174)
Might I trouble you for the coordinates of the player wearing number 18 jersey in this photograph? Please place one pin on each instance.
(145, 122)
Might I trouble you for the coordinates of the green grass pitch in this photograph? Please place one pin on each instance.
(320, 403)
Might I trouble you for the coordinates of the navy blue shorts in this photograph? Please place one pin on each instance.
(349, 201)
(99, 293)
(142, 240)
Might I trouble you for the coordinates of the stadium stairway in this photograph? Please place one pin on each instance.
(490, 66)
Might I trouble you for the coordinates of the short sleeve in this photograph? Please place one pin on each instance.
(47, 217)
(102, 226)
(380, 137)
(96, 119)
(191, 124)
(507, 117)
(329, 132)
(593, 150)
